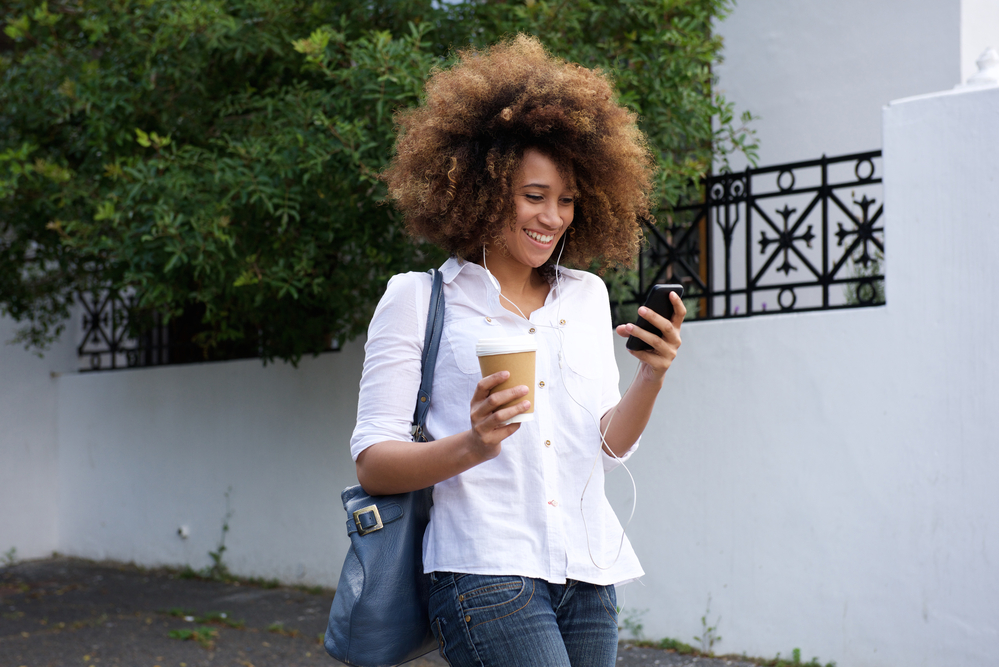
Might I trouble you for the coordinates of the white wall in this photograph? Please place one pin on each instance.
(145, 451)
(29, 494)
(830, 478)
(818, 73)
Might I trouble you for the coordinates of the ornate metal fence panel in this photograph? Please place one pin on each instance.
(106, 339)
(116, 334)
(786, 238)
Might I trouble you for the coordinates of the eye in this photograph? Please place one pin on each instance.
(534, 198)
(567, 201)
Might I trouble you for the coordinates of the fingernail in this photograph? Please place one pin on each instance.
(629, 326)
(642, 310)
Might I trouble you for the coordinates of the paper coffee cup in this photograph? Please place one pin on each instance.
(515, 354)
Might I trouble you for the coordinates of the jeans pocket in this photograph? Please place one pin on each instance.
(488, 598)
(608, 598)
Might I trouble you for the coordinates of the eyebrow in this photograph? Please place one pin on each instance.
(545, 187)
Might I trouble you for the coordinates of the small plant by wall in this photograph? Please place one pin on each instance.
(709, 633)
(218, 569)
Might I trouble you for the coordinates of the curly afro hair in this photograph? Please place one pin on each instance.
(458, 154)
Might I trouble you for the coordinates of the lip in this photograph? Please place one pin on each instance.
(538, 243)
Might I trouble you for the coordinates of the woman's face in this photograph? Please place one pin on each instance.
(544, 205)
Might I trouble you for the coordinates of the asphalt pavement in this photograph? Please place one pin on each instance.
(62, 611)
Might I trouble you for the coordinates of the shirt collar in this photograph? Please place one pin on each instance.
(453, 266)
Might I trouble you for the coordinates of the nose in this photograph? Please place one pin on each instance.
(549, 215)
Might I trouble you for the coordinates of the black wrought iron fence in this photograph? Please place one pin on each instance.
(791, 237)
(117, 334)
(108, 341)
(786, 238)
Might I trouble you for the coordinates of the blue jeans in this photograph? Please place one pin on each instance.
(500, 621)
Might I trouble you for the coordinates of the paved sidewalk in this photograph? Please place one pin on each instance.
(61, 612)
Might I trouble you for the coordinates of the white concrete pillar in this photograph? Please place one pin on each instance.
(941, 180)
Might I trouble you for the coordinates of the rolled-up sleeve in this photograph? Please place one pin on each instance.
(610, 388)
(392, 371)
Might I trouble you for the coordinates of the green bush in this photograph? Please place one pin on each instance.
(218, 159)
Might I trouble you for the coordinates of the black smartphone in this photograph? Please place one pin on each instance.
(657, 300)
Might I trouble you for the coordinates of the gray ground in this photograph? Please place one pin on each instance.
(60, 612)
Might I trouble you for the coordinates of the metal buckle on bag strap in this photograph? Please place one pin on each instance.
(361, 530)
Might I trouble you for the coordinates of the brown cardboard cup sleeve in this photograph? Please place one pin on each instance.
(517, 355)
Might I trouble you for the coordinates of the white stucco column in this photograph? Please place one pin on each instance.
(941, 180)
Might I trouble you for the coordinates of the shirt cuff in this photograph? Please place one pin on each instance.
(610, 462)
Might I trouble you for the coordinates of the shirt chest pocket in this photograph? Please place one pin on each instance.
(583, 347)
(463, 334)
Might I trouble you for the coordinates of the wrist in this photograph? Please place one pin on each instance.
(651, 379)
(471, 451)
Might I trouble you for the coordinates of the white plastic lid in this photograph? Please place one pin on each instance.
(509, 345)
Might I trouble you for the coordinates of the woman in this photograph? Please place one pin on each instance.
(516, 159)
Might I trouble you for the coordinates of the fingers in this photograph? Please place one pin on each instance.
(660, 322)
(487, 421)
(489, 411)
(679, 310)
(492, 404)
(501, 416)
(486, 384)
(664, 347)
(670, 334)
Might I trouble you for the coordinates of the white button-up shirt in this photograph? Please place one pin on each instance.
(539, 508)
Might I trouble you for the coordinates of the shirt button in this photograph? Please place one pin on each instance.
(553, 503)
(532, 330)
(541, 384)
(548, 443)
(562, 322)
(489, 319)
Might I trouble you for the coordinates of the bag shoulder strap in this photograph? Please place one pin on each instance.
(431, 341)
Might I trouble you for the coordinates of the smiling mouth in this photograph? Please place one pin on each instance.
(540, 238)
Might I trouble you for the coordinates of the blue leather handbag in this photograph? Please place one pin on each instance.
(379, 613)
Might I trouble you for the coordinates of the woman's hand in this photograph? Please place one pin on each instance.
(488, 430)
(395, 466)
(656, 362)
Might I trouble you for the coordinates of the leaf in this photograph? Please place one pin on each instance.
(17, 28)
(105, 211)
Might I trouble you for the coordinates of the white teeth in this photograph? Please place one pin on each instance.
(539, 237)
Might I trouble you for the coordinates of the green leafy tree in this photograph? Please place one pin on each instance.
(661, 53)
(218, 159)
